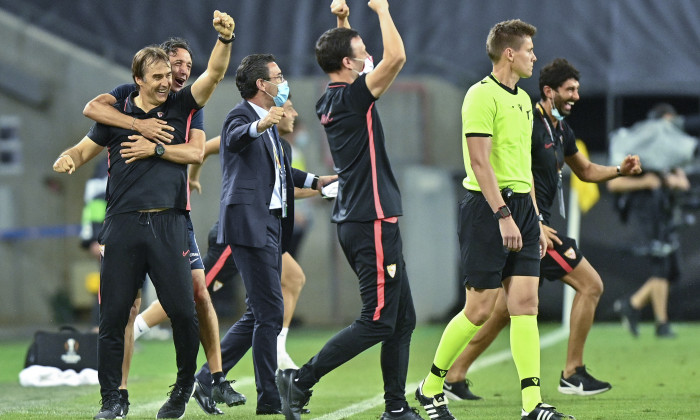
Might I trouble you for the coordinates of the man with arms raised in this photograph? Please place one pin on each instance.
(145, 226)
(101, 109)
(366, 211)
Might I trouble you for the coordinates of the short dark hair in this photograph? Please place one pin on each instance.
(556, 73)
(145, 57)
(507, 34)
(172, 44)
(252, 68)
(332, 47)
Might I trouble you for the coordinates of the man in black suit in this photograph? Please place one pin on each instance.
(256, 218)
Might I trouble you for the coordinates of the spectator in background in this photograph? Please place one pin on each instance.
(652, 201)
(91, 223)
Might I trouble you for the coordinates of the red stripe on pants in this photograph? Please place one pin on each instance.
(560, 260)
(379, 250)
(217, 267)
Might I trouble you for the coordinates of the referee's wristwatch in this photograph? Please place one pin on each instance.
(502, 213)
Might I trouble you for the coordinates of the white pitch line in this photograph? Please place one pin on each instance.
(546, 340)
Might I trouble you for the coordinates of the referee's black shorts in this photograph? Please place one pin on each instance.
(484, 260)
(561, 260)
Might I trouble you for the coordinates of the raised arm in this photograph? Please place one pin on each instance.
(204, 86)
(101, 109)
(341, 10)
(73, 158)
(394, 55)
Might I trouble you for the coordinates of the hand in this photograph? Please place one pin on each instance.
(195, 185)
(551, 236)
(95, 249)
(543, 242)
(676, 181)
(64, 163)
(378, 5)
(273, 117)
(154, 129)
(139, 148)
(340, 9)
(325, 180)
(224, 24)
(631, 165)
(512, 240)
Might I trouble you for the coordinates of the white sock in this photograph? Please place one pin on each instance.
(140, 327)
(282, 341)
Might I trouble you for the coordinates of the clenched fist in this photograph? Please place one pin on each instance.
(224, 24)
(64, 163)
(273, 117)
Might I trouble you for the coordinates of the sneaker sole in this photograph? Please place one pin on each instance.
(286, 408)
(577, 391)
(452, 396)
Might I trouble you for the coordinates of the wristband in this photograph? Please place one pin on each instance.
(502, 213)
(314, 183)
(132, 123)
(227, 41)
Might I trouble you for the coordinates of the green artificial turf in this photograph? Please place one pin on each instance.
(651, 378)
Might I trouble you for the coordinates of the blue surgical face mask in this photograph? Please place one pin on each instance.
(282, 93)
(556, 114)
(555, 111)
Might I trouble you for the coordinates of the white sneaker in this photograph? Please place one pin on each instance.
(285, 362)
(158, 333)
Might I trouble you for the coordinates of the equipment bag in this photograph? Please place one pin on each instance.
(66, 349)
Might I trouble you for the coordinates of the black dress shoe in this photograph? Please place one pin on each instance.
(266, 410)
(269, 411)
(204, 399)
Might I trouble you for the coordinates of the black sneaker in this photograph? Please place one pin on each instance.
(436, 407)
(408, 413)
(459, 390)
(203, 397)
(664, 331)
(111, 409)
(224, 393)
(124, 399)
(292, 396)
(174, 407)
(582, 383)
(545, 412)
(630, 316)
